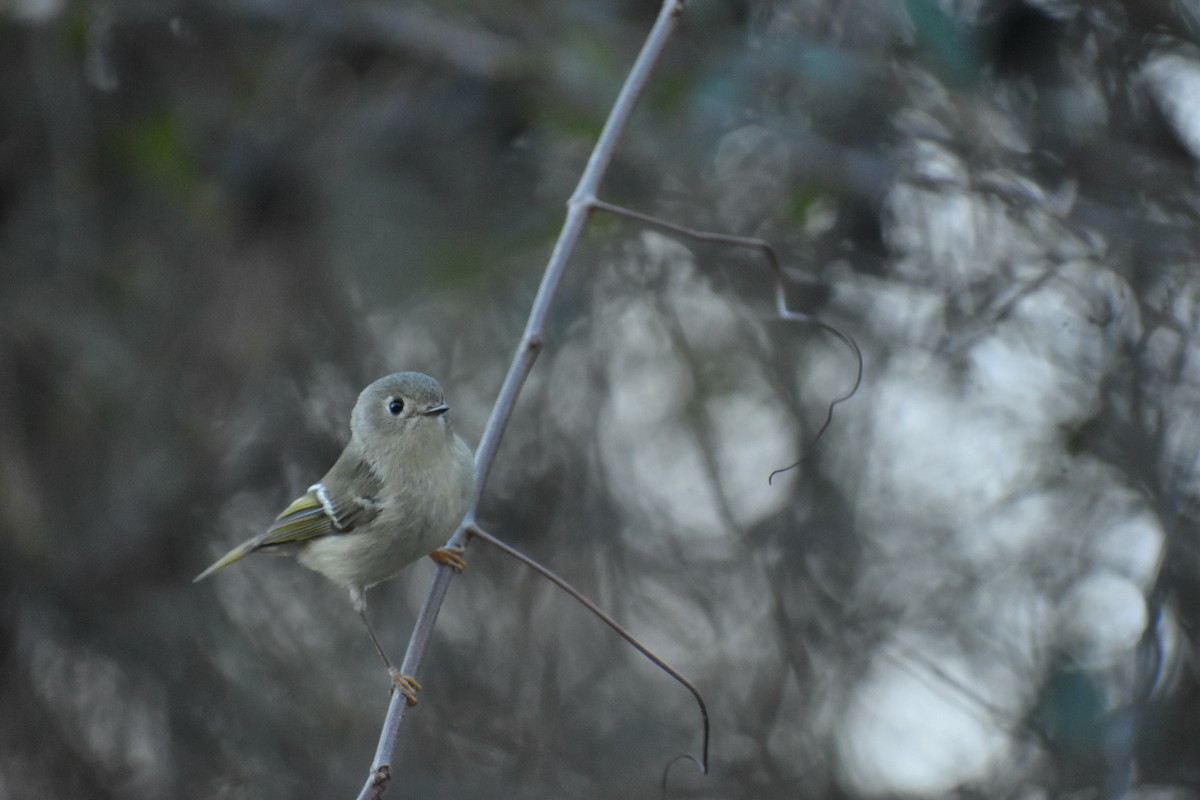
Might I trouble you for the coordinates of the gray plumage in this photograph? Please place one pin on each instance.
(397, 492)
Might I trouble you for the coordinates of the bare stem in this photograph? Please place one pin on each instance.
(583, 199)
(781, 305)
(550, 575)
(578, 209)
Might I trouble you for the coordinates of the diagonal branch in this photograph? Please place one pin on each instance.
(550, 575)
(578, 210)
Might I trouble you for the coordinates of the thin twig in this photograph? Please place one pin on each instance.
(578, 210)
(550, 575)
(781, 305)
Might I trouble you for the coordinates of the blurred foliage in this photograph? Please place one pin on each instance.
(220, 219)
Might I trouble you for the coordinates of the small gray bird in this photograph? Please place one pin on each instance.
(397, 492)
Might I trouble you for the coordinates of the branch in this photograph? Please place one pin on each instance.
(550, 575)
(781, 305)
(578, 209)
(399, 27)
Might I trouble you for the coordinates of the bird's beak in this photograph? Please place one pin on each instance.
(436, 411)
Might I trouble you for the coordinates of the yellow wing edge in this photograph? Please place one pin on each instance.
(233, 555)
(305, 502)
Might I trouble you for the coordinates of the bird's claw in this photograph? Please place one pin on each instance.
(451, 557)
(407, 686)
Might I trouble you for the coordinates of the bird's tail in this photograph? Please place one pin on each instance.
(233, 555)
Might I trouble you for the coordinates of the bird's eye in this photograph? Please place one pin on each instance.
(395, 407)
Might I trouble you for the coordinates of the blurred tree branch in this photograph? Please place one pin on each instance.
(411, 29)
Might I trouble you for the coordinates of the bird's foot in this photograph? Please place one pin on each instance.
(407, 686)
(451, 557)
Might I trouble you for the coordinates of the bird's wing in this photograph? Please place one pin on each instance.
(345, 499)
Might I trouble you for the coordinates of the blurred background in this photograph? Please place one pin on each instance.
(220, 219)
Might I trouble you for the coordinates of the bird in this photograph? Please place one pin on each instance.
(398, 491)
